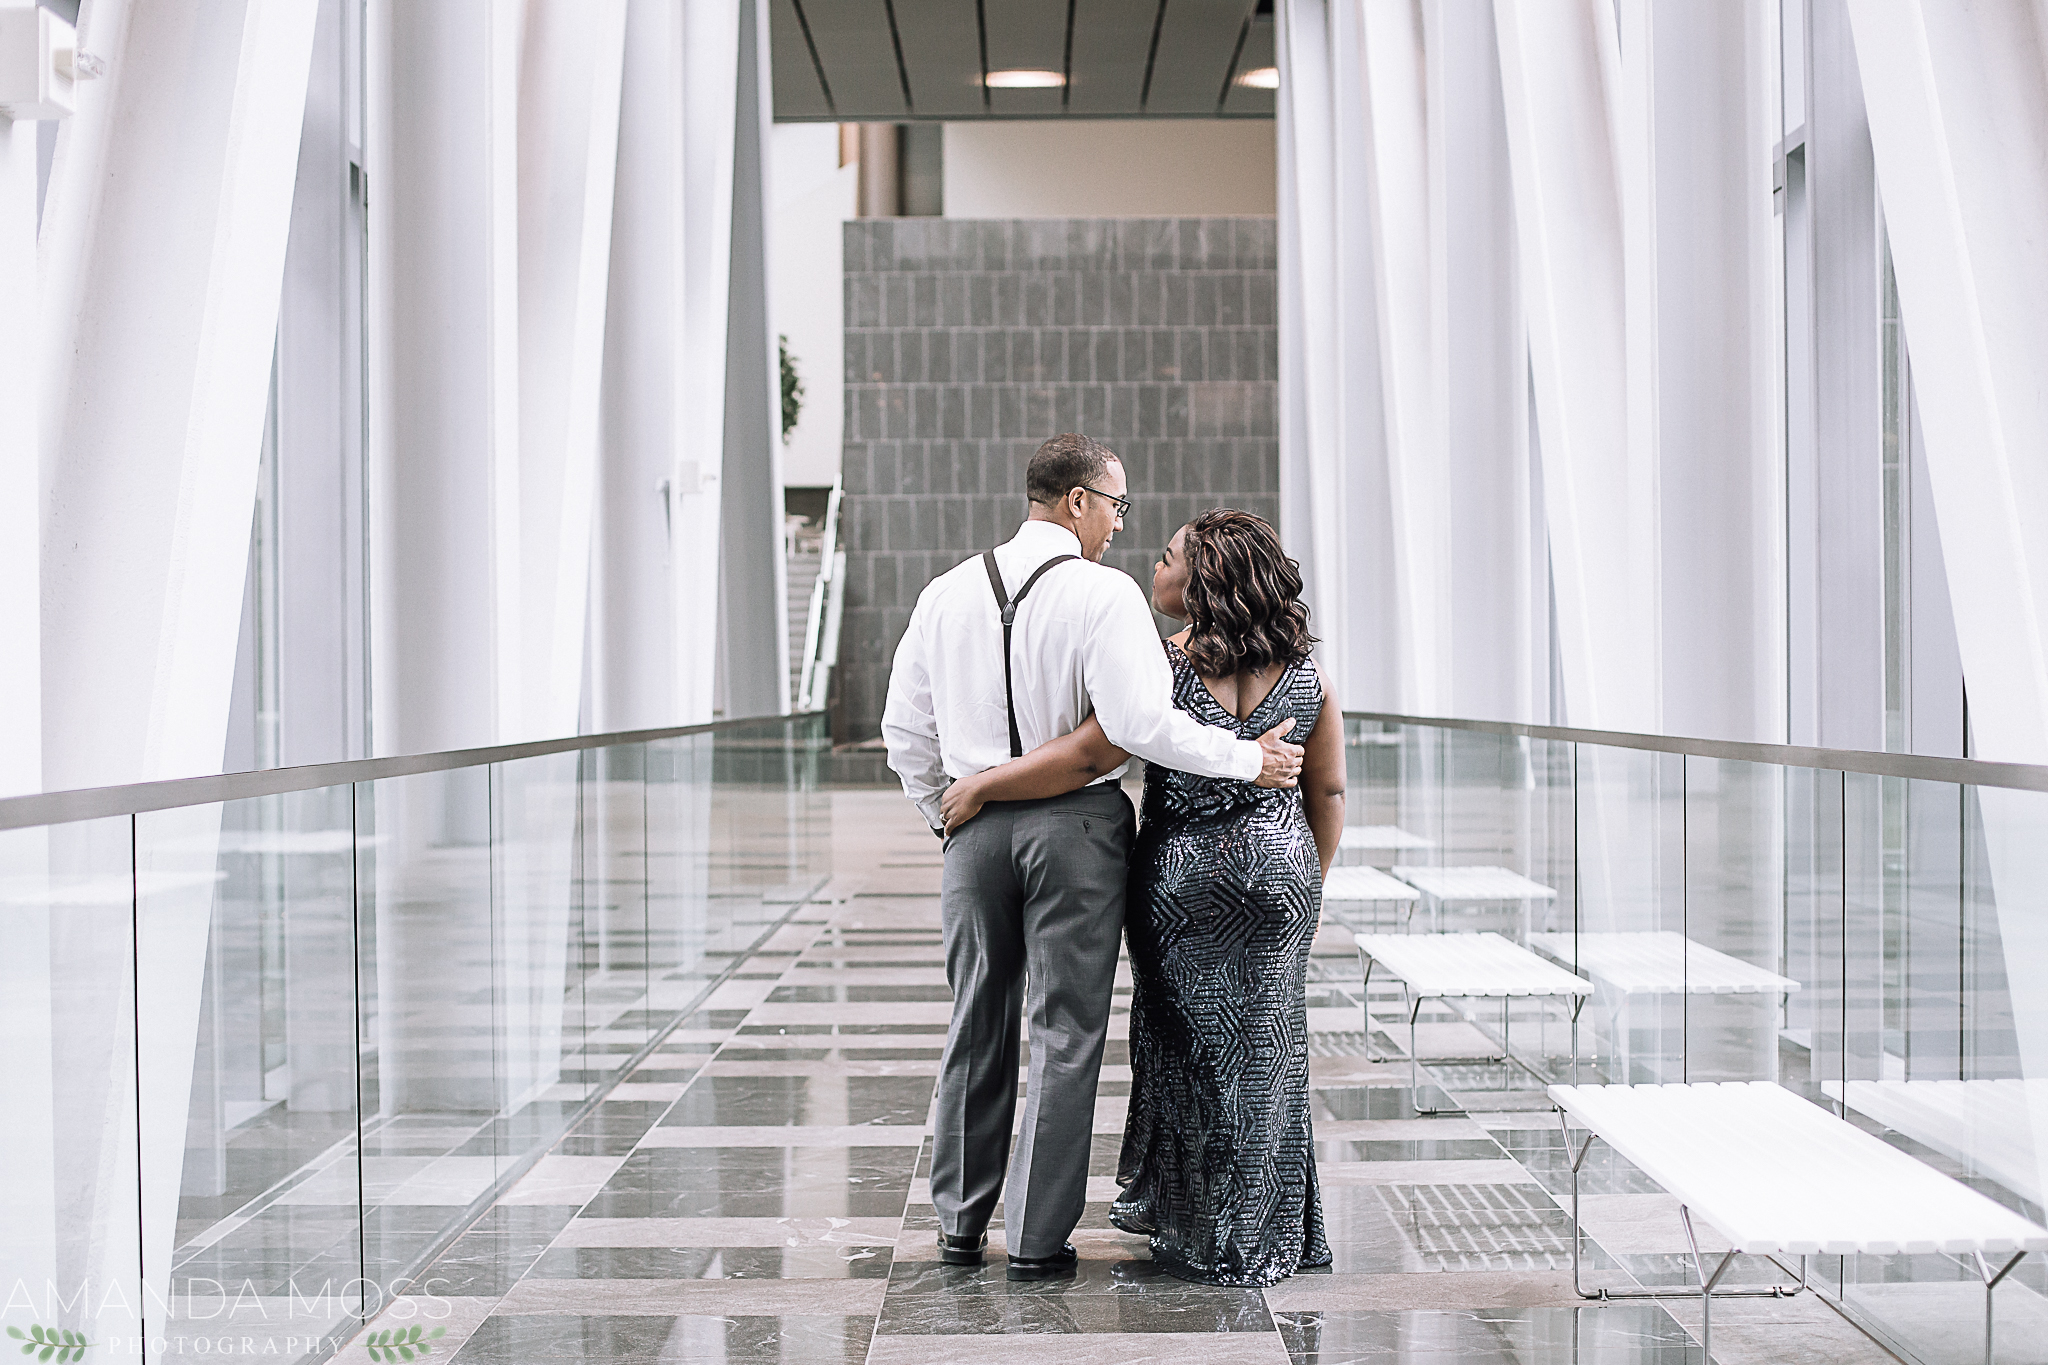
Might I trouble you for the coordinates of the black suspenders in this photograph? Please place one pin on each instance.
(1009, 609)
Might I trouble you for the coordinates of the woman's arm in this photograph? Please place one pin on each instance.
(1322, 779)
(1053, 769)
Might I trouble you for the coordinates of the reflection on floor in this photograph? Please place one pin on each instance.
(779, 1210)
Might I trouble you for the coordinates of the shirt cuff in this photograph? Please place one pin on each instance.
(1250, 760)
(929, 809)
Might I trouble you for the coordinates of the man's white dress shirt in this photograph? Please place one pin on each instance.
(1083, 641)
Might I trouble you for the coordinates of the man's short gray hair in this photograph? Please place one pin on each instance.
(1066, 462)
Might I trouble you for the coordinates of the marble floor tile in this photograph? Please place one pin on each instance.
(520, 1339)
(1101, 1190)
(559, 1178)
(852, 1262)
(1433, 1290)
(736, 1063)
(490, 1257)
(1183, 1308)
(754, 1101)
(818, 1200)
(793, 1135)
(458, 1320)
(1607, 1334)
(810, 973)
(1338, 1150)
(635, 1090)
(869, 1012)
(730, 1232)
(449, 1180)
(1068, 1348)
(1449, 1128)
(725, 1297)
(1500, 1171)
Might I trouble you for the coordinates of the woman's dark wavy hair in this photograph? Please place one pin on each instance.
(1243, 596)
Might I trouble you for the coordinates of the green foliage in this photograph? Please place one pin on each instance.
(792, 390)
(51, 1343)
(403, 1343)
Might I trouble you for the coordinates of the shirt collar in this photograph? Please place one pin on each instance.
(1049, 536)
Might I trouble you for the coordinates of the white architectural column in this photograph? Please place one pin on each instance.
(753, 602)
(164, 232)
(1961, 144)
(1405, 468)
(654, 632)
(21, 684)
(1498, 617)
(1581, 219)
(1403, 245)
(1333, 508)
(164, 235)
(1960, 138)
(444, 345)
(568, 133)
(1711, 72)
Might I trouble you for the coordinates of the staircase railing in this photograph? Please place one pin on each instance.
(821, 628)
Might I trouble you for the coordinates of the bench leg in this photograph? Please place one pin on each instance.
(1707, 1283)
(1991, 1279)
(1576, 1161)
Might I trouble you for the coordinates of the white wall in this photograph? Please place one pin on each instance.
(812, 195)
(1109, 168)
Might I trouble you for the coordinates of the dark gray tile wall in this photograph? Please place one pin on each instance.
(970, 342)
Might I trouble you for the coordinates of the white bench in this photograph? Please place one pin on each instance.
(1445, 885)
(1988, 1125)
(1661, 963)
(1465, 966)
(1367, 885)
(1776, 1176)
(1382, 839)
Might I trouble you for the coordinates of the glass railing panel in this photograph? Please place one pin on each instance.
(426, 984)
(539, 936)
(251, 1183)
(1726, 968)
(1956, 1034)
(1630, 838)
(679, 929)
(612, 886)
(70, 1222)
(1372, 773)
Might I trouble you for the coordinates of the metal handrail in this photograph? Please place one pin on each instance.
(1971, 772)
(821, 626)
(97, 803)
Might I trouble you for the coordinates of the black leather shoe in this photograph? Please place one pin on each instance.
(1059, 1266)
(962, 1250)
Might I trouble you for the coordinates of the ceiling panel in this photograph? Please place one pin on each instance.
(943, 52)
(1243, 101)
(1196, 41)
(1026, 33)
(797, 92)
(942, 55)
(1111, 38)
(860, 61)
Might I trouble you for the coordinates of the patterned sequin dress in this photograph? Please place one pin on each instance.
(1218, 1159)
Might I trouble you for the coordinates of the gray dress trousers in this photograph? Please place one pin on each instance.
(1032, 906)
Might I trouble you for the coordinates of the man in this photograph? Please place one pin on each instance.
(1032, 900)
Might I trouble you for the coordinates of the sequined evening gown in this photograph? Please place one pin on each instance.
(1218, 1159)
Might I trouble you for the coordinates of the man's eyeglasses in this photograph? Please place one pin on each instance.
(1123, 505)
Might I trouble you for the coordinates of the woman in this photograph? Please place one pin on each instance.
(1218, 1163)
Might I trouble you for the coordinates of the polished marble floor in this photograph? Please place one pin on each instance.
(779, 1208)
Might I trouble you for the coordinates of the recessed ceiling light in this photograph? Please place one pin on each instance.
(1264, 78)
(1025, 80)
